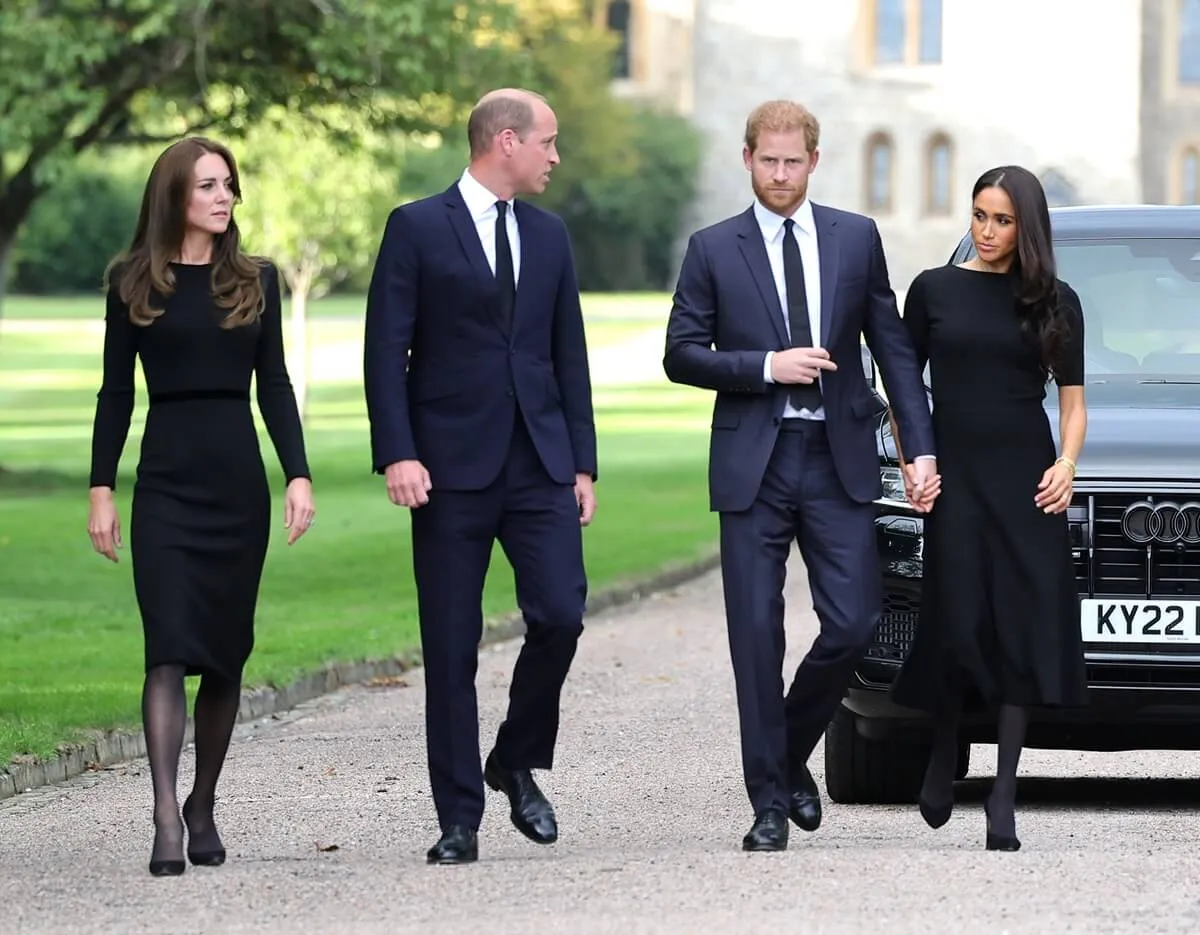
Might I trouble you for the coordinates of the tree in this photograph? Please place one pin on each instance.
(80, 74)
(314, 207)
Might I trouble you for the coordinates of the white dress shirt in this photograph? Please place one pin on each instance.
(805, 232)
(481, 204)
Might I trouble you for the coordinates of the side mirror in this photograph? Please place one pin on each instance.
(868, 365)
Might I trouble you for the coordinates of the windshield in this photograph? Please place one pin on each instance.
(1141, 305)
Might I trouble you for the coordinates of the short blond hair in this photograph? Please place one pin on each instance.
(782, 117)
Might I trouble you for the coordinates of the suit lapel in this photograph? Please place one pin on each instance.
(827, 247)
(750, 242)
(468, 238)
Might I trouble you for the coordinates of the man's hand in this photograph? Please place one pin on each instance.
(408, 483)
(585, 496)
(922, 484)
(800, 364)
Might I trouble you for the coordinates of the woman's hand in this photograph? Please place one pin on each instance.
(1054, 492)
(103, 525)
(298, 510)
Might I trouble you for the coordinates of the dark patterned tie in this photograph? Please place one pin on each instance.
(505, 278)
(802, 395)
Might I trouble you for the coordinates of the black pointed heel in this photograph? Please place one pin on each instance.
(213, 857)
(160, 867)
(998, 842)
(935, 815)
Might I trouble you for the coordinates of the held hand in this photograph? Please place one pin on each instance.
(103, 525)
(800, 364)
(298, 508)
(1054, 491)
(585, 496)
(922, 484)
(408, 483)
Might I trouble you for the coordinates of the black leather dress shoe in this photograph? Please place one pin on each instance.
(805, 804)
(532, 813)
(769, 833)
(457, 845)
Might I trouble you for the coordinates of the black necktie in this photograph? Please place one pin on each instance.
(505, 279)
(802, 395)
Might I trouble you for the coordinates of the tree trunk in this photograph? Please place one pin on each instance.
(298, 361)
(7, 241)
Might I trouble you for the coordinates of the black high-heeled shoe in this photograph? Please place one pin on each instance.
(998, 842)
(935, 815)
(212, 857)
(164, 868)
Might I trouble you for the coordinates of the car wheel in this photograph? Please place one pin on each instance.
(860, 771)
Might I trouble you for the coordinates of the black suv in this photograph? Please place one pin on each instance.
(1134, 519)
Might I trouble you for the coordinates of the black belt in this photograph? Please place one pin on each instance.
(184, 396)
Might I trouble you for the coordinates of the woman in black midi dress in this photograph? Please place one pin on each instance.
(999, 608)
(204, 318)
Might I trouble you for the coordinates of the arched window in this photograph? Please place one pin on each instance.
(939, 158)
(880, 172)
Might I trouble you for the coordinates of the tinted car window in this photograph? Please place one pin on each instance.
(1141, 302)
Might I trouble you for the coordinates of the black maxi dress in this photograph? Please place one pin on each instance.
(999, 606)
(201, 512)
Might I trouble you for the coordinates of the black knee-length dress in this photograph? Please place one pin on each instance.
(201, 512)
(999, 606)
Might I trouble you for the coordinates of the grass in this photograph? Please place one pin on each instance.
(71, 637)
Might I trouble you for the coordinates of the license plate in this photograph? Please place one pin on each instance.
(1105, 621)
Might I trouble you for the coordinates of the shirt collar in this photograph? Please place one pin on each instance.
(771, 223)
(477, 196)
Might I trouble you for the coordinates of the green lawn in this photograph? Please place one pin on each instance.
(69, 629)
(637, 306)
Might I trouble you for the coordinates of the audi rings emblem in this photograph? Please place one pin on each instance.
(1145, 522)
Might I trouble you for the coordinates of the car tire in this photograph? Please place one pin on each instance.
(862, 771)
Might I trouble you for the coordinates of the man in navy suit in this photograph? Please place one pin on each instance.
(768, 311)
(480, 404)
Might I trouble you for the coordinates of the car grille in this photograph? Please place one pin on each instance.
(1119, 567)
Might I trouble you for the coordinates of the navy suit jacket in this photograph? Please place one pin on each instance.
(444, 378)
(725, 317)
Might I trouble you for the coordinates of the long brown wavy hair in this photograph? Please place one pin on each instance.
(142, 273)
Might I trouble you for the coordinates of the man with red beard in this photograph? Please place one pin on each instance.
(769, 312)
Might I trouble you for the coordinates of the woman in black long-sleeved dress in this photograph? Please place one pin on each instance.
(204, 318)
(999, 607)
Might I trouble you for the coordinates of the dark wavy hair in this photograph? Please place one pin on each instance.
(1034, 271)
(143, 271)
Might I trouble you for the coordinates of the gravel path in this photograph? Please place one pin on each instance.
(326, 815)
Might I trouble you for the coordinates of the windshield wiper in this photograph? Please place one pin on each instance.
(1172, 382)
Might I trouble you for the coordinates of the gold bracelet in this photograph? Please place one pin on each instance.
(1068, 462)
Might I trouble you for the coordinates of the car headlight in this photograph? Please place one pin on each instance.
(893, 483)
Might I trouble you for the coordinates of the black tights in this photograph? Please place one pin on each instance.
(938, 788)
(164, 719)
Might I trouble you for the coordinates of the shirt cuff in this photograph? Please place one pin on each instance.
(925, 458)
(767, 378)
